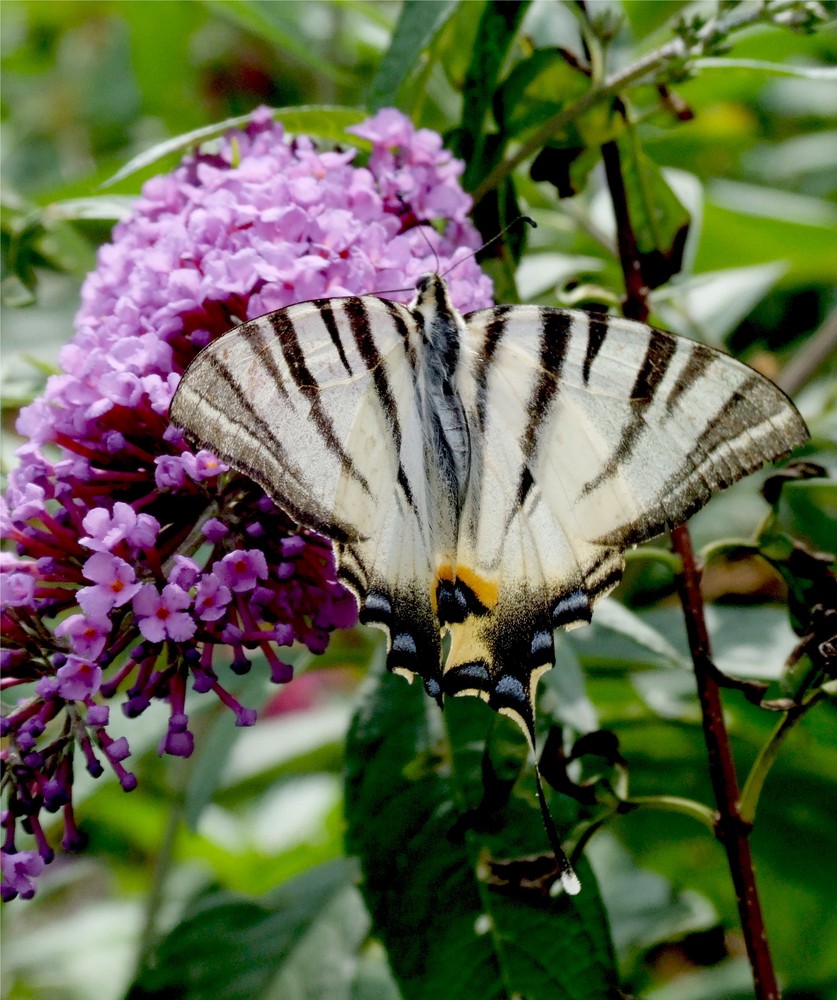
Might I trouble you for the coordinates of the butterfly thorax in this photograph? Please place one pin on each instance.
(446, 427)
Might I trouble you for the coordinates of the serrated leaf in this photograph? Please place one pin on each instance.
(418, 24)
(321, 121)
(233, 948)
(413, 780)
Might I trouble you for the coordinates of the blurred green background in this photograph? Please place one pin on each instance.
(86, 87)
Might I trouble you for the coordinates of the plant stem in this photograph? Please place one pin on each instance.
(729, 828)
(749, 798)
(674, 803)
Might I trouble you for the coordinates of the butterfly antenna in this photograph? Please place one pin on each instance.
(503, 231)
(569, 879)
(432, 248)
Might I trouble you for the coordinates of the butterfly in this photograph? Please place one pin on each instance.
(481, 475)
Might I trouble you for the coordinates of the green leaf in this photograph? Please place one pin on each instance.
(809, 509)
(710, 306)
(497, 29)
(217, 739)
(536, 90)
(621, 638)
(659, 220)
(321, 121)
(300, 936)
(418, 24)
(644, 907)
(746, 224)
(413, 783)
(103, 208)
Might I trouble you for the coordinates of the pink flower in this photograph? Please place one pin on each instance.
(107, 528)
(185, 572)
(161, 615)
(203, 465)
(87, 636)
(115, 585)
(17, 589)
(241, 570)
(19, 869)
(78, 679)
(211, 598)
(169, 472)
(115, 522)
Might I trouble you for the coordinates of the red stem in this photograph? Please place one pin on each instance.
(730, 830)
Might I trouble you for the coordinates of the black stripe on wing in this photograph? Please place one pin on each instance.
(597, 327)
(326, 308)
(493, 335)
(285, 329)
(698, 364)
(555, 339)
(251, 425)
(357, 315)
(658, 357)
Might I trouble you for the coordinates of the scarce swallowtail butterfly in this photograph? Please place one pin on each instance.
(480, 475)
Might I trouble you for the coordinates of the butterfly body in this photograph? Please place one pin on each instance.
(480, 475)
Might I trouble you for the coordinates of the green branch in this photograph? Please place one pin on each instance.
(681, 50)
(748, 802)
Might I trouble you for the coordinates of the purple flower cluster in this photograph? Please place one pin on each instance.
(135, 568)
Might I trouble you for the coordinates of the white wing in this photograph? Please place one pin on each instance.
(589, 434)
(318, 404)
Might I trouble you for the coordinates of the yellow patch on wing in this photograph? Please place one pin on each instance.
(467, 645)
(486, 591)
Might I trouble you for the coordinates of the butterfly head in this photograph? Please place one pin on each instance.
(436, 314)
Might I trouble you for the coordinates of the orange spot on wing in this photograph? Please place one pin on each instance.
(486, 591)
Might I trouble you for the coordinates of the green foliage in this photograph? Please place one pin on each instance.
(412, 782)
(224, 877)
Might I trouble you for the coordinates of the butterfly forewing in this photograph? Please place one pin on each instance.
(318, 404)
(638, 427)
(308, 401)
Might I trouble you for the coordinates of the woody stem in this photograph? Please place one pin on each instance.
(730, 830)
